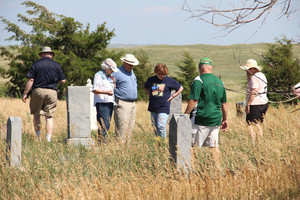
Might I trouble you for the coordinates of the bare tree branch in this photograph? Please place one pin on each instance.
(230, 16)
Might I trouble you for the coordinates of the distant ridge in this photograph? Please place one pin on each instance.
(126, 45)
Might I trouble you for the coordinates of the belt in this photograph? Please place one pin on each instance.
(128, 100)
(45, 88)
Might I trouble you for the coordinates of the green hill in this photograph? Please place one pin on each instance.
(226, 59)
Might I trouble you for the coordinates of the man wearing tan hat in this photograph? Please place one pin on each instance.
(256, 98)
(43, 77)
(126, 95)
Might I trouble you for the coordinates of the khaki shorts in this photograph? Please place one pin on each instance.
(43, 101)
(206, 136)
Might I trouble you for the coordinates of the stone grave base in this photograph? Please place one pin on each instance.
(86, 142)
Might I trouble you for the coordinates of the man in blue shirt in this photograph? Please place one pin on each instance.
(126, 95)
(43, 77)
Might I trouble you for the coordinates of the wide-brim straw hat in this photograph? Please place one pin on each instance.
(46, 50)
(251, 63)
(130, 59)
(109, 63)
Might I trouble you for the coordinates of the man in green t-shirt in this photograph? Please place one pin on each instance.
(209, 95)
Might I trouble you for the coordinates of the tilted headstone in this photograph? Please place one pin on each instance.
(240, 109)
(79, 113)
(175, 105)
(180, 137)
(14, 141)
(94, 123)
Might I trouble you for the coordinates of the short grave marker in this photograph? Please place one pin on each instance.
(240, 109)
(14, 141)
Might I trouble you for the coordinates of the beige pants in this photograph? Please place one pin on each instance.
(124, 115)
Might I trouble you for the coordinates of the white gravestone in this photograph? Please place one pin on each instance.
(94, 123)
(79, 114)
(14, 141)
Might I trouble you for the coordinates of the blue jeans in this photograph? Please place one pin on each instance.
(104, 113)
(159, 121)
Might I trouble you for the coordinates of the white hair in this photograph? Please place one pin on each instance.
(105, 65)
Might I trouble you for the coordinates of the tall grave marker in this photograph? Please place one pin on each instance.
(94, 123)
(78, 108)
(180, 138)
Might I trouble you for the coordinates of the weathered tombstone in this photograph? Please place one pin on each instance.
(14, 141)
(175, 105)
(94, 123)
(240, 109)
(79, 113)
(180, 137)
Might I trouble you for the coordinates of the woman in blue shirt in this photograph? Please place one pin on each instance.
(159, 89)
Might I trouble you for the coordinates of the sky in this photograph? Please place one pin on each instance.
(144, 22)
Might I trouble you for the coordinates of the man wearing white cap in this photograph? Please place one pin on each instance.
(256, 98)
(126, 95)
(103, 89)
(43, 77)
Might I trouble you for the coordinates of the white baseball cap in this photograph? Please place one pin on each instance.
(109, 63)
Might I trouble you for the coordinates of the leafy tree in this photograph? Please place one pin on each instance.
(188, 72)
(78, 50)
(142, 72)
(281, 68)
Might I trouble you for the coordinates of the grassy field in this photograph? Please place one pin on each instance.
(142, 170)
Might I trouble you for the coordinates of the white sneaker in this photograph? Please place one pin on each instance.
(48, 137)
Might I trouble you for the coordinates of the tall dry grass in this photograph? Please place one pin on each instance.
(142, 170)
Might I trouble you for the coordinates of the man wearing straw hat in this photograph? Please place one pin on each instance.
(43, 77)
(256, 98)
(126, 95)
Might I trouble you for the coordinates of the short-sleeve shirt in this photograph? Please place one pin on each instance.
(46, 73)
(102, 82)
(210, 93)
(258, 82)
(158, 99)
(126, 84)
